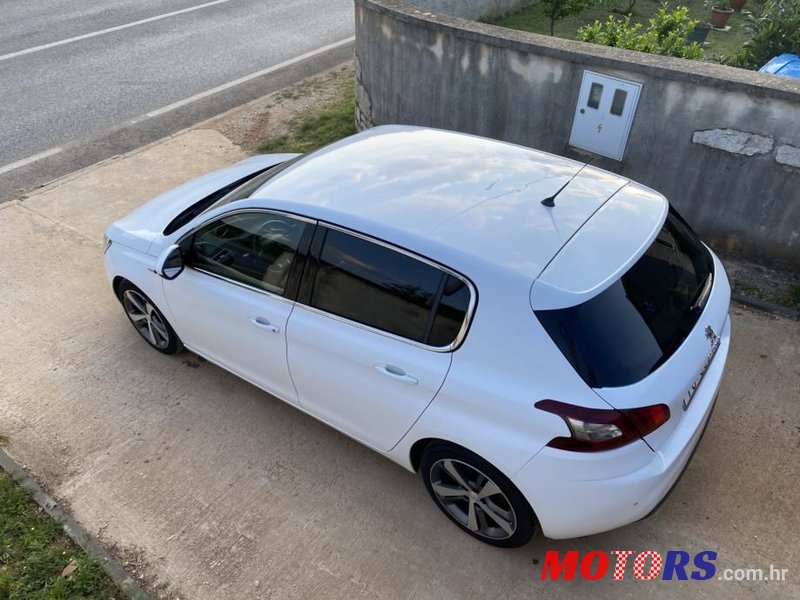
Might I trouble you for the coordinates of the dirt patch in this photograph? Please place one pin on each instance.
(248, 126)
(763, 282)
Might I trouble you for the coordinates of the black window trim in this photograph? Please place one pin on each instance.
(312, 265)
(298, 264)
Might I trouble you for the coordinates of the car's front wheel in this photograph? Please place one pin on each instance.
(476, 496)
(148, 320)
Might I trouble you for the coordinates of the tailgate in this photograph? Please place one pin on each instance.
(677, 382)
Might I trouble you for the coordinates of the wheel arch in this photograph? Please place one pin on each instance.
(418, 449)
(116, 283)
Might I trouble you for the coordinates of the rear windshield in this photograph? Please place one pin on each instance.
(626, 332)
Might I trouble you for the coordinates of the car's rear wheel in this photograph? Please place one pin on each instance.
(476, 496)
(147, 320)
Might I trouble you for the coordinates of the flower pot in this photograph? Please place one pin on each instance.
(699, 33)
(738, 5)
(720, 16)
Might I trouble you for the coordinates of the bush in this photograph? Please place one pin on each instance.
(665, 34)
(774, 29)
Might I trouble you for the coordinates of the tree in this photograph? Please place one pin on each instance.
(665, 34)
(555, 10)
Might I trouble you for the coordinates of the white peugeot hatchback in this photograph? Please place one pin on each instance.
(541, 340)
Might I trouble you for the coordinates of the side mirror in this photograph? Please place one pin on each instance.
(170, 263)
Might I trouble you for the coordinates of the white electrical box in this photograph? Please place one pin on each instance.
(604, 114)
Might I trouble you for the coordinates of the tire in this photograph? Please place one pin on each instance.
(490, 507)
(147, 320)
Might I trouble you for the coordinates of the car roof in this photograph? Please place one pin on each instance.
(475, 195)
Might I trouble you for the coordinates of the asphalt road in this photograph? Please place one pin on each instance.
(80, 81)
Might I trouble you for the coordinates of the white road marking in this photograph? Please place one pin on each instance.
(246, 78)
(170, 107)
(86, 36)
(29, 160)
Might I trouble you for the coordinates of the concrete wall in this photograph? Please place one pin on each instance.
(722, 144)
(471, 9)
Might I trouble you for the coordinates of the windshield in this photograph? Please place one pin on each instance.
(627, 331)
(248, 188)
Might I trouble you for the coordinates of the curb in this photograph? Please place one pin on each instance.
(766, 306)
(74, 530)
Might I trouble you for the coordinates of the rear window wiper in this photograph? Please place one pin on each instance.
(703, 292)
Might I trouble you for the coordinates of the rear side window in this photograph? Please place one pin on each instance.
(626, 332)
(389, 290)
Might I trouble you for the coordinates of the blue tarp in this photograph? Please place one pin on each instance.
(785, 65)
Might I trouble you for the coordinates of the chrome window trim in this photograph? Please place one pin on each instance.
(241, 284)
(473, 293)
(451, 347)
(252, 288)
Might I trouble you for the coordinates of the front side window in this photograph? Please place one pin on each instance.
(256, 249)
(389, 290)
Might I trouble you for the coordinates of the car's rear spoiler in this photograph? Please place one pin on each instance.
(606, 246)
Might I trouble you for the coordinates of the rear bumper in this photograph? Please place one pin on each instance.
(575, 494)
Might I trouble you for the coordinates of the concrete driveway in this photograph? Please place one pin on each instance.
(225, 492)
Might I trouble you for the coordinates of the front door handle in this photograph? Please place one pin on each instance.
(263, 323)
(396, 373)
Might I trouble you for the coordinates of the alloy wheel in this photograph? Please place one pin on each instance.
(146, 319)
(472, 499)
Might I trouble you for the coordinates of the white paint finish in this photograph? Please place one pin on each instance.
(595, 127)
(479, 196)
(334, 365)
(669, 384)
(145, 224)
(631, 495)
(632, 218)
(215, 317)
(733, 141)
(485, 208)
(87, 36)
(788, 155)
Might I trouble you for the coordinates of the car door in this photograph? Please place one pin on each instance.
(232, 302)
(369, 345)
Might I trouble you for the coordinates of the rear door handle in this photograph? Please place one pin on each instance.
(263, 323)
(396, 373)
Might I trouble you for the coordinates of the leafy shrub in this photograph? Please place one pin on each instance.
(665, 34)
(774, 29)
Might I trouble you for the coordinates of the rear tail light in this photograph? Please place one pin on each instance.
(594, 429)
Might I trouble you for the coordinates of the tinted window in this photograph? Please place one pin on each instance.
(451, 312)
(257, 249)
(626, 332)
(383, 288)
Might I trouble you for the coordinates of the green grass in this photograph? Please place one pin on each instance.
(792, 299)
(719, 43)
(318, 128)
(34, 551)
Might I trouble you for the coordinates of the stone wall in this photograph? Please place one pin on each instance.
(471, 9)
(722, 144)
